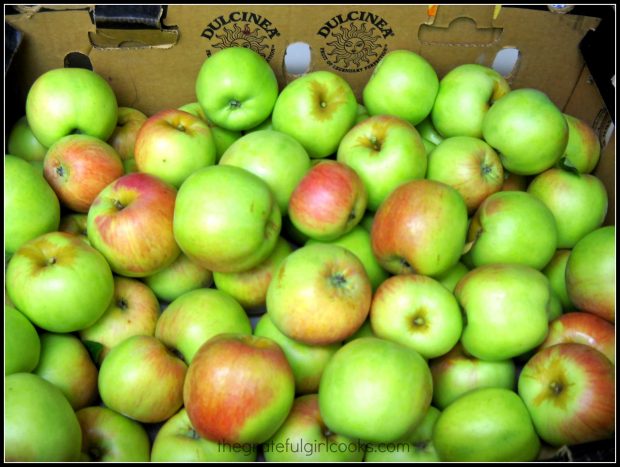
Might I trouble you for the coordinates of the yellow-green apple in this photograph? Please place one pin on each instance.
(486, 425)
(578, 202)
(108, 436)
(457, 373)
(416, 311)
(428, 132)
(428, 146)
(39, 423)
(452, 276)
(31, 208)
(134, 311)
(385, 151)
(22, 143)
(591, 273)
(362, 113)
(22, 346)
(177, 441)
(238, 389)
(78, 167)
(512, 227)
(66, 364)
(514, 182)
(63, 101)
(235, 209)
(555, 271)
(303, 437)
(420, 228)
(365, 330)
(358, 242)
(74, 223)
(172, 145)
(236, 88)
(394, 377)
(418, 447)
(197, 316)
(275, 157)
(317, 109)
(328, 201)
(465, 95)
(59, 282)
(320, 294)
(141, 379)
(123, 138)
(506, 310)
(469, 165)
(528, 131)
(403, 84)
(130, 223)
(583, 328)
(307, 361)
(250, 287)
(569, 391)
(583, 150)
(183, 275)
(222, 137)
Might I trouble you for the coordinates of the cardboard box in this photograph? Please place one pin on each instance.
(151, 58)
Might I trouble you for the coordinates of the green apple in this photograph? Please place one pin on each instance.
(457, 373)
(329, 201)
(317, 109)
(420, 228)
(303, 437)
(506, 310)
(569, 390)
(183, 275)
(591, 273)
(39, 423)
(66, 364)
(22, 346)
(108, 436)
(358, 242)
(320, 294)
(239, 389)
(578, 202)
(385, 151)
(196, 316)
(428, 132)
(172, 145)
(236, 88)
(59, 282)
(375, 390)
(123, 138)
(556, 273)
(469, 165)
(141, 379)
(362, 113)
(514, 182)
(177, 441)
(486, 425)
(512, 227)
(307, 361)
(31, 207)
(235, 210)
(465, 94)
(583, 150)
(134, 310)
(527, 129)
(63, 101)
(275, 157)
(418, 447)
(22, 143)
(266, 124)
(365, 330)
(452, 276)
(250, 287)
(403, 84)
(416, 311)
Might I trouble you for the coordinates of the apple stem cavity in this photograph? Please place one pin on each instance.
(122, 304)
(60, 171)
(338, 280)
(234, 104)
(51, 261)
(118, 205)
(556, 387)
(376, 145)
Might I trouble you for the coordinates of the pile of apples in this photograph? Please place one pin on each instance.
(291, 275)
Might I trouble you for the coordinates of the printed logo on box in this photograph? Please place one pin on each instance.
(354, 41)
(242, 29)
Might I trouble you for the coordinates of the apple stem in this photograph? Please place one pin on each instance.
(118, 205)
(556, 387)
(180, 127)
(51, 261)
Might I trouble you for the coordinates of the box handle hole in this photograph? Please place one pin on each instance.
(297, 58)
(78, 60)
(506, 61)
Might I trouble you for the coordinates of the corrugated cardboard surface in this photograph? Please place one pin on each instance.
(156, 68)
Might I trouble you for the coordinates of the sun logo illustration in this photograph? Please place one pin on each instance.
(245, 37)
(354, 45)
